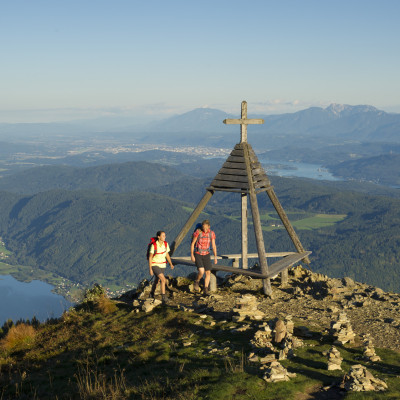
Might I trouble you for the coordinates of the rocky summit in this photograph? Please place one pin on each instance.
(341, 308)
(315, 338)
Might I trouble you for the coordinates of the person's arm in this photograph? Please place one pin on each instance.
(169, 260)
(192, 248)
(214, 247)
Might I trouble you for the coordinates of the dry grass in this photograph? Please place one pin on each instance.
(105, 305)
(18, 336)
(93, 384)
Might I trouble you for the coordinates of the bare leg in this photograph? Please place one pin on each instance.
(207, 279)
(200, 274)
(155, 283)
(162, 279)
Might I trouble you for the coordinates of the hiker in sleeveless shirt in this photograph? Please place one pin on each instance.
(158, 263)
(200, 254)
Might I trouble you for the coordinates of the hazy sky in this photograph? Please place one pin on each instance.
(67, 59)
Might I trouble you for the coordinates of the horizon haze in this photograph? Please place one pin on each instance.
(141, 60)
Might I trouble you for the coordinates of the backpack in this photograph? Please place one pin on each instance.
(199, 229)
(153, 241)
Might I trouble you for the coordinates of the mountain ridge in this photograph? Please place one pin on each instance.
(356, 122)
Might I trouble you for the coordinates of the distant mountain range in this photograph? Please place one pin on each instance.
(204, 126)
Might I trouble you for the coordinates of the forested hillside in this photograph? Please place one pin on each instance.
(384, 169)
(88, 236)
(92, 236)
(119, 177)
(100, 235)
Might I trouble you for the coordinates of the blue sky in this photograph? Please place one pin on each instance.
(64, 60)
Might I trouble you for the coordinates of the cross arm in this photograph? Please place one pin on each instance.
(243, 121)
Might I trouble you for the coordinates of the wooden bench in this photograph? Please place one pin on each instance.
(289, 258)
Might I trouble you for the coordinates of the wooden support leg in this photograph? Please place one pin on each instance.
(285, 220)
(257, 223)
(284, 277)
(260, 243)
(245, 264)
(195, 214)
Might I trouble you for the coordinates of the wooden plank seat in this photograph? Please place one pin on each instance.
(289, 258)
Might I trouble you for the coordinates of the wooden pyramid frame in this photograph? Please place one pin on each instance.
(242, 173)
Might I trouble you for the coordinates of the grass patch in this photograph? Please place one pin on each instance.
(119, 354)
(318, 221)
(300, 221)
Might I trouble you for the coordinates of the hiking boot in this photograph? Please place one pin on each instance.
(196, 286)
(151, 295)
(164, 299)
(206, 292)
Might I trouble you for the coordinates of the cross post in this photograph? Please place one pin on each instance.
(243, 122)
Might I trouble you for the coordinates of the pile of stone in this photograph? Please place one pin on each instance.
(341, 330)
(359, 379)
(290, 342)
(246, 307)
(369, 350)
(149, 304)
(334, 359)
(262, 359)
(275, 372)
(289, 325)
(298, 272)
(262, 338)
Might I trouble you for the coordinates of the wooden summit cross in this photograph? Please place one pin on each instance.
(243, 173)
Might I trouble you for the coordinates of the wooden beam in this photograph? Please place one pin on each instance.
(232, 178)
(274, 269)
(238, 256)
(286, 262)
(233, 171)
(238, 153)
(191, 220)
(253, 121)
(239, 271)
(229, 184)
(217, 189)
(257, 226)
(245, 264)
(237, 165)
(285, 220)
(235, 159)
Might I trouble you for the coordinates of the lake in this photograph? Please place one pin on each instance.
(21, 300)
(298, 169)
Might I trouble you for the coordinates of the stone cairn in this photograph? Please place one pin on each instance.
(285, 339)
(246, 307)
(369, 350)
(275, 372)
(341, 330)
(264, 350)
(334, 359)
(359, 379)
(265, 340)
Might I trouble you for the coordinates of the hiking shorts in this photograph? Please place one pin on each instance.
(157, 270)
(203, 261)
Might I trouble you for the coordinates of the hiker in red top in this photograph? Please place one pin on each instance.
(158, 257)
(200, 253)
